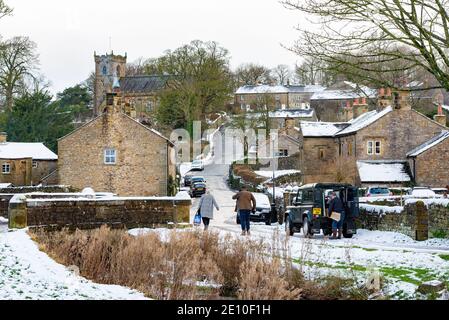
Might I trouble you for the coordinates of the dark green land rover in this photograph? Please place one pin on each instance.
(309, 209)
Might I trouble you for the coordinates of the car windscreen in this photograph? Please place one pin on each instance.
(379, 191)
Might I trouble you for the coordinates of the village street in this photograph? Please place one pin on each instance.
(403, 262)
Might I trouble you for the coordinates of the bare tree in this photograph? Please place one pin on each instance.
(373, 38)
(253, 74)
(313, 71)
(282, 74)
(4, 9)
(17, 61)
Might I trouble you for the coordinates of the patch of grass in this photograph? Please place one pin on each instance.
(444, 257)
(440, 234)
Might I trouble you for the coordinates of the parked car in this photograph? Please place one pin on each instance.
(263, 210)
(188, 180)
(422, 192)
(309, 212)
(197, 189)
(440, 191)
(196, 179)
(378, 192)
(197, 165)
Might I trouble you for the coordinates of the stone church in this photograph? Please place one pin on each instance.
(137, 94)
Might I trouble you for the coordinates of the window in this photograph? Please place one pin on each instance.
(6, 168)
(242, 98)
(105, 70)
(321, 154)
(110, 156)
(150, 105)
(307, 196)
(349, 148)
(118, 71)
(35, 164)
(282, 153)
(370, 150)
(378, 147)
(374, 148)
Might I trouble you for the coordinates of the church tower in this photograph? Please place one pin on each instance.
(109, 68)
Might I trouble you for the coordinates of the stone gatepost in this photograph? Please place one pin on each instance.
(17, 212)
(422, 222)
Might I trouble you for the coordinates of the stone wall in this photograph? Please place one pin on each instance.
(7, 193)
(318, 160)
(431, 168)
(414, 220)
(54, 214)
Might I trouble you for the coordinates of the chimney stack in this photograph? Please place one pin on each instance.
(3, 137)
(440, 117)
(384, 98)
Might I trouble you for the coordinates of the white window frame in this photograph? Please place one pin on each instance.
(378, 144)
(35, 164)
(4, 166)
(110, 156)
(370, 146)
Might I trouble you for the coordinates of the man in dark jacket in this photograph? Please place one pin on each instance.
(246, 203)
(336, 205)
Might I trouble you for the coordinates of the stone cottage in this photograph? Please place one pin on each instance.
(116, 153)
(26, 163)
(429, 162)
(375, 143)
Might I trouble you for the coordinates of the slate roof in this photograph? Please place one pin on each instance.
(429, 144)
(143, 84)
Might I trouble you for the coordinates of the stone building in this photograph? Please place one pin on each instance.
(116, 153)
(343, 102)
(278, 97)
(139, 94)
(26, 164)
(429, 162)
(379, 139)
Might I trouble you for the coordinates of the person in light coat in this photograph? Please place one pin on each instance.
(207, 204)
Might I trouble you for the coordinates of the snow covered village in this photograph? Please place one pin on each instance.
(306, 163)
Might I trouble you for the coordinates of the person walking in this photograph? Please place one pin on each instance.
(336, 205)
(246, 203)
(207, 204)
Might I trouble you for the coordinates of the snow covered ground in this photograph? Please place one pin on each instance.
(27, 273)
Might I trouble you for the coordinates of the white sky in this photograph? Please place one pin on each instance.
(68, 32)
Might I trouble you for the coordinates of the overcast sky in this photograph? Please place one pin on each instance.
(68, 32)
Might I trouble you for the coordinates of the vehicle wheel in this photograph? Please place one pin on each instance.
(345, 233)
(306, 227)
(288, 227)
(327, 232)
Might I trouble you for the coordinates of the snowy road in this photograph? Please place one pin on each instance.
(405, 263)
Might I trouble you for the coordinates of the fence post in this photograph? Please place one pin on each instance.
(422, 222)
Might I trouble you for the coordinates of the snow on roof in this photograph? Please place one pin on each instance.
(357, 91)
(383, 171)
(364, 120)
(445, 107)
(305, 88)
(251, 89)
(321, 129)
(429, 144)
(293, 113)
(261, 89)
(20, 150)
